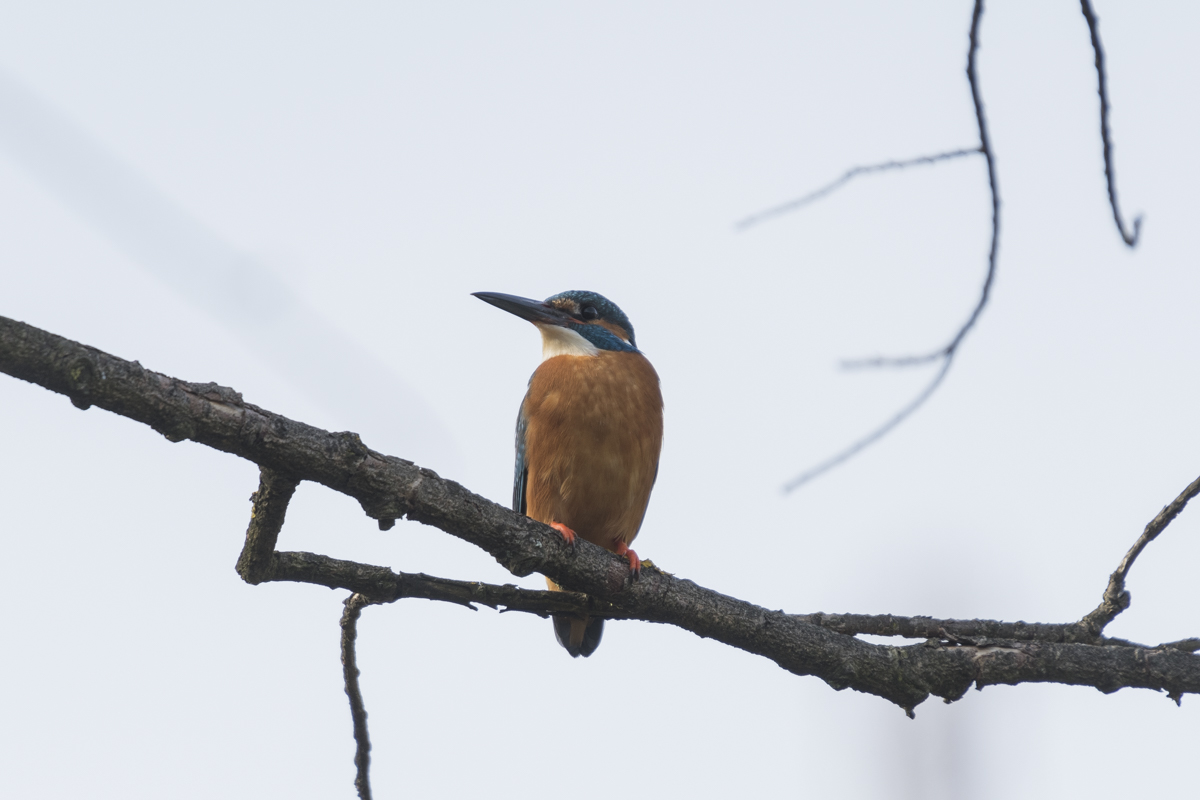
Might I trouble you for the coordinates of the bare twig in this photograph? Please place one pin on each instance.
(846, 177)
(1116, 598)
(875, 435)
(985, 145)
(385, 586)
(362, 754)
(948, 351)
(1129, 237)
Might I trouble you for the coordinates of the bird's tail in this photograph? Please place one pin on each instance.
(580, 637)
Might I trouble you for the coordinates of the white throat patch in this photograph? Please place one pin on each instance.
(559, 341)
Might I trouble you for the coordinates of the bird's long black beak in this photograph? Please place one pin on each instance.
(533, 310)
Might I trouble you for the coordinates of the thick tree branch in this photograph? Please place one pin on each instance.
(390, 488)
(948, 629)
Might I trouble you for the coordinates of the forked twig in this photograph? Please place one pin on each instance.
(1116, 598)
(948, 351)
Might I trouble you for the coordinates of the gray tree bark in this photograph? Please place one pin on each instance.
(953, 656)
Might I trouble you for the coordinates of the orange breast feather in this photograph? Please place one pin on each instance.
(592, 441)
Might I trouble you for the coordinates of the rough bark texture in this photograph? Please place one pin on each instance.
(266, 520)
(956, 654)
(358, 712)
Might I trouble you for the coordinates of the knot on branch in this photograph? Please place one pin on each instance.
(1090, 629)
(82, 375)
(1123, 600)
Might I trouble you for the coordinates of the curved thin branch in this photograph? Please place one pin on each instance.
(1116, 598)
(875, 435)
(362, 753)
(390, 488)
(1129, 237)
(947, 352)
(846, 177)
(985, 147)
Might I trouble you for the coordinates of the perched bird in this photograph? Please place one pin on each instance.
(589, 433)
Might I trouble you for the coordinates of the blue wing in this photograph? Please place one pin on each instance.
(521, 473)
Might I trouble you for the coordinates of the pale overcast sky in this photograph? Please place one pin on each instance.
(296, 200)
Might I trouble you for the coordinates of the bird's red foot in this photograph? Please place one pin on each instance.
(635, 564)
(568, 535)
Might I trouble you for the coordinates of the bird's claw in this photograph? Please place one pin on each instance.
(635, 564)
(569, 536)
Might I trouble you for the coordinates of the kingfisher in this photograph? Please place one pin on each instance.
(589, 433)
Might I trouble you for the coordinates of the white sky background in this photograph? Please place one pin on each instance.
(378, 164)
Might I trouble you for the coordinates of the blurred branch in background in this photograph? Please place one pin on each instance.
(875, 435)
(955, 654)
(947, 352)
(847, 176)
(1129, 237)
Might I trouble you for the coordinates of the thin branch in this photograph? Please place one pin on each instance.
(362, 754)
(391, 488)
(386, 586)
(846, 177)
(1129, 237)
(873, 362)
(949, 350)
(875, 435)
(985, 144)
(1116, 599)
(985, 147)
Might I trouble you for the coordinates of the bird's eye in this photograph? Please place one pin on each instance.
(589, 312)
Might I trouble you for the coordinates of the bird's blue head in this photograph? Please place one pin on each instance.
(572, 323)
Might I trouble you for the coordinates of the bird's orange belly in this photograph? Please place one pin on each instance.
(594, 432)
